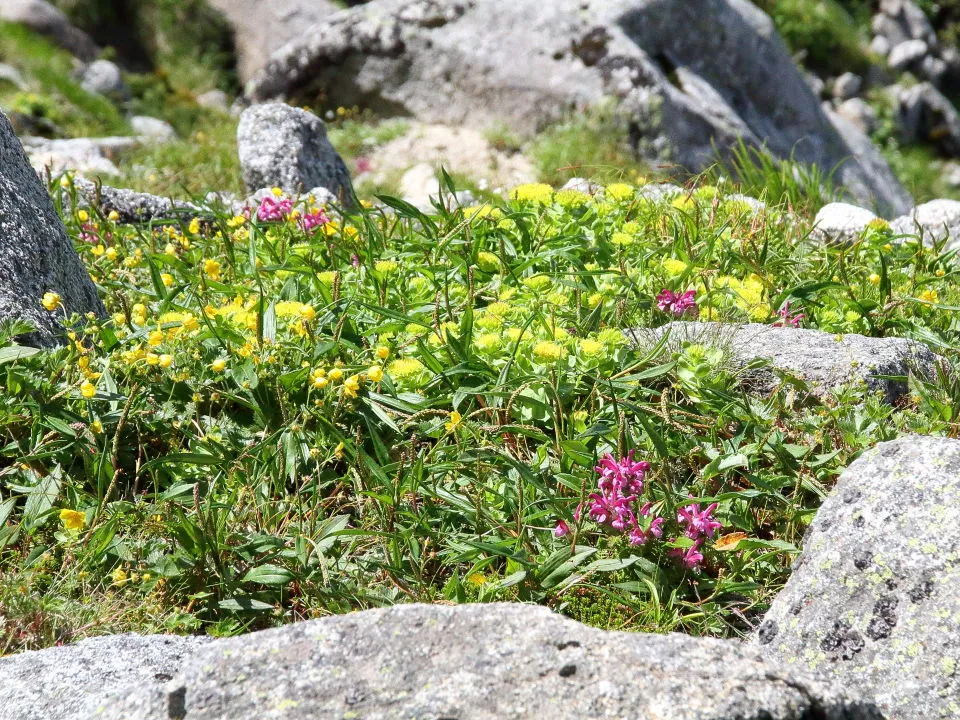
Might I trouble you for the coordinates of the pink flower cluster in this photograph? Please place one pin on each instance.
(309, 221)
(272, 209)
(676, 303)
(698, 525)
(787, 318)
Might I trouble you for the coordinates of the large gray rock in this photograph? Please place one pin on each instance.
(288, 147)
(933, 221)
(686, 77)
(66, 683)
(261, 27)
(872, 600)
(478, 662)
(840, 222)
(926, 115)
(826, 362)
(35, 252)
(42, 17)
(908, 54)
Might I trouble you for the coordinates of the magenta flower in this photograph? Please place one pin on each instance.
(691, 557)
(699, 524)
(619, 485)
(311, 220)
(561, 530)
(788, 319)
(272, 209)
(677, 304)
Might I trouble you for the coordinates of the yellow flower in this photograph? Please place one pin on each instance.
(350, 386)
(307, 312)
(547, 352)
(96, 427)
(155, 338)
(113, 216)
(194, 226)
(72, 519)
(112, 254)
(539, 193)
(403, 368)
(590, 347)
(167, 279)
(277, 192)
(375, 373)
(97, 250)
(335, 374)
(211, 268)
(387, 267)
(165, 360)
(929, 296)
(218, 365)
(320, 382)
(382, 352)
(83, 216)
(170, 249)
(65, 182)
(487, 261)
(152, 359)
(620, 191)
(119, 577)
(454, 422)
(338, 451)
(674, 267)
(88, 389)
(874, 279)
(51, 301)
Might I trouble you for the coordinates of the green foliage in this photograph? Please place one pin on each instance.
(822, 31)
(590, 144)
(53, 95)
(276, 423)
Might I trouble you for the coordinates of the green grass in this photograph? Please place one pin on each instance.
(53, 94)
(276, 424)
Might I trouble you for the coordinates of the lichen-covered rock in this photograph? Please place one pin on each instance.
(826, 362)
(840, 222)
(933, 221)
(35, 252)
(478, 662)
(925, 114)
(873, 598)
(66, 683)
(288, 147)
(686, 78)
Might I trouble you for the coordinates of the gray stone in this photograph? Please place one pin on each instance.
(260, 28)
(907, 54)
(660, 191)
(840, 222)
(872, 600)
(152, 129)
(910, 20)
(815, 83)
(932, 221)
(10, 74)
(826, 362)
(847, 86)
(83, 155)
(951, 173)
(214, 100)
(582, 185)
(103, 77)
(288, 147)
(880, 46)
(479, 662)
(685, 78)
(858, 112)
(755, 205)
(36, 253)
(66, 683)
(43, 18)
(933, 69)
(926, 115)
(133, 206)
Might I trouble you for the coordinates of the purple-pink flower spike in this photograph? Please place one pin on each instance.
(788, 319)
(676, 303)
(698, 524)
(272, 209)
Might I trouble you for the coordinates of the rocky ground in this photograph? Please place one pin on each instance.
(304, 365)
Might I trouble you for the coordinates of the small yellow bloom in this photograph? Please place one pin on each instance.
(382, 352)
(113, 216)
(929, 296)
(97, 250)
(335, 374)
(211, 268)
(119, 577)
(375, 373)
(73, 519)
(146, 577)
(873, 279)
(194, 226)
(83, 216)
(65, 182)
(307, 312)
(320, 382)
(96, 427)
(165, 360)
(338, 451)
(350, 386)
(218, 365)
(155, 338)
(277, 192)
(167, 279)
(88, 389)
(112, 254)
(454, 422)
(51, 301)
(152, 359)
